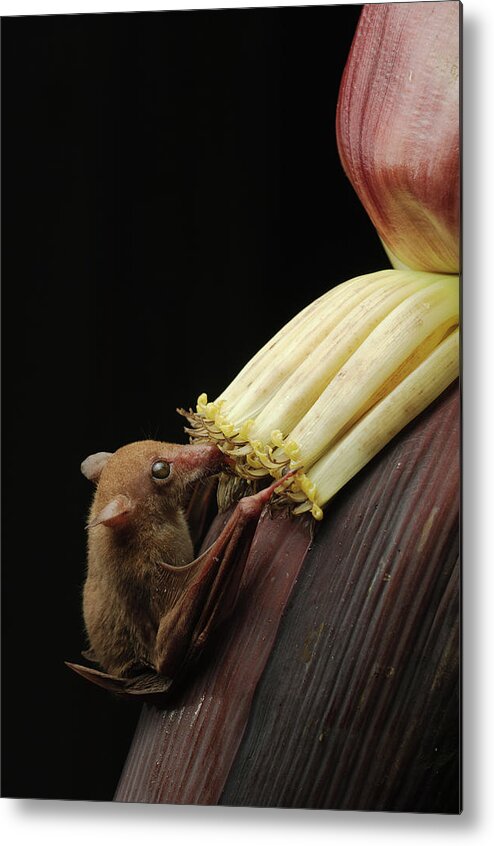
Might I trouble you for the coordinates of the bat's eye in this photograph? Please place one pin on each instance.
(160, 470)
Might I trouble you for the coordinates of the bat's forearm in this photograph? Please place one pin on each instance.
(212, 592)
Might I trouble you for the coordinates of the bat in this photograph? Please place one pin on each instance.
(149, 606)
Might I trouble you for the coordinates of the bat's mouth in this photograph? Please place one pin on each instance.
(199, 461)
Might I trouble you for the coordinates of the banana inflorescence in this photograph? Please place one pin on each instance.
(354, 367)
(337, 382)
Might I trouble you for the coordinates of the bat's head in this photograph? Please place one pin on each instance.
(146, 478)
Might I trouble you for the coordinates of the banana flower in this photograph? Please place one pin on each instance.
(335, 384)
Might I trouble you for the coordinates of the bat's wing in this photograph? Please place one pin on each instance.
(210, 595)
(89, 655)
(210, 588)
(144, 685)
(200, 509)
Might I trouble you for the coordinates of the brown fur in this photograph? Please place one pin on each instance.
(129, 586)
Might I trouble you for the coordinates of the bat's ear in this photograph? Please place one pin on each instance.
(92, 466)
(115, 513)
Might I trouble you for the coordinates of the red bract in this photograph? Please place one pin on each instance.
(397, 128)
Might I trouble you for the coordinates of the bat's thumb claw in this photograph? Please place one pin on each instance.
(279, 485)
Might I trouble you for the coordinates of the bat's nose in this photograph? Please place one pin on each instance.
(206, 457)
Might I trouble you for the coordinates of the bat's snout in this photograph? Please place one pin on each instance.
(203, 460)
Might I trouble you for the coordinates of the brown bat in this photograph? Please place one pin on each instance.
(149, 606)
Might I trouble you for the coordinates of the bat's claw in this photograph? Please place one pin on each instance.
(259, 500)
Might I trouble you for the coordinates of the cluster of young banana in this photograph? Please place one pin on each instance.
(335, 384)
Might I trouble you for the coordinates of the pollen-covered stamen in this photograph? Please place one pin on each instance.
(253, 473)
(303, 496)
(264, 456)
(240, 451)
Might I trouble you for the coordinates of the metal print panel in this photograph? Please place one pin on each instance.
(231, 298)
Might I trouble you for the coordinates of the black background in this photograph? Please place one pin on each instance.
(172, 194)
